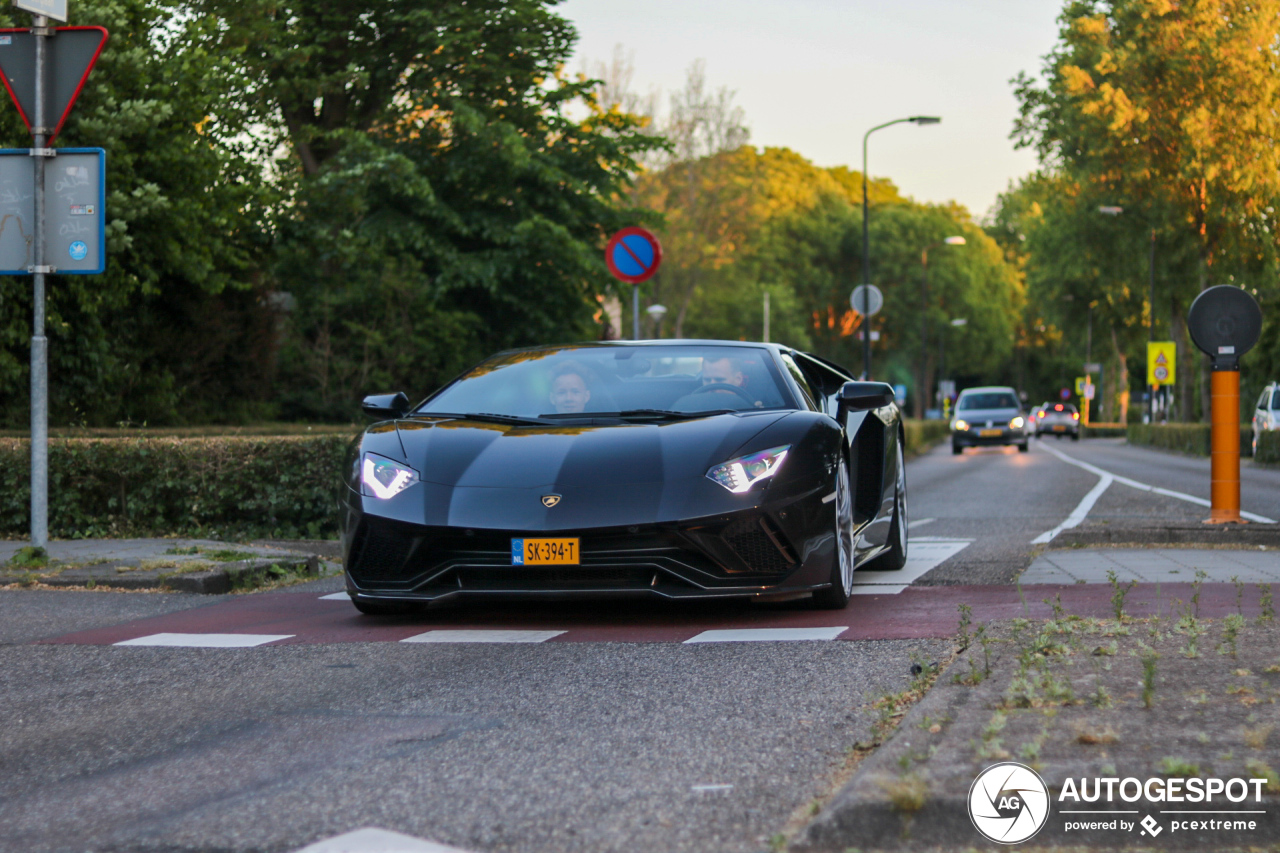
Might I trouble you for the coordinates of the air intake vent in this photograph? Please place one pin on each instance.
(753, 542)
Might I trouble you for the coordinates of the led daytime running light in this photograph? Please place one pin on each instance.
(739, 475)
(384, 478)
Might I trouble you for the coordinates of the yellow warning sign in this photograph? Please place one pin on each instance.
(1161, 362)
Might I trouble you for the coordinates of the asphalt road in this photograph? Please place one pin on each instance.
(591, 746)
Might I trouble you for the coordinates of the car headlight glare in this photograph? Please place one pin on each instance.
(385, 478)
(1016, 423)
(739, 475)
(961, 425)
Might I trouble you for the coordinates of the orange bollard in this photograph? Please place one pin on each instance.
(1224, 476)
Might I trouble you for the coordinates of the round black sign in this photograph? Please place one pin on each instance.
(1225, 323)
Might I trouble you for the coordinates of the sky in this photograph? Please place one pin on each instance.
(815, 75)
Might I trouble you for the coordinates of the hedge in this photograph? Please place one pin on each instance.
(1184, 438)
(921, 435)
(224, 487)
(1103, 430)
(1268, 447)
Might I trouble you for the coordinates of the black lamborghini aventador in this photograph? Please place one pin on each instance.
(676, 469)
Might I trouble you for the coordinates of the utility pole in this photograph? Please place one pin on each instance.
(766, 316)
(39, 343)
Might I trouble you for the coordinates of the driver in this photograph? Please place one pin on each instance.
(720, 376)
(569, 392)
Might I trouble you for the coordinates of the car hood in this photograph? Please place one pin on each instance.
(494, 475)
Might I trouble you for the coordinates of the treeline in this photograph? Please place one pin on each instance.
(310, 200)
(1168, 111)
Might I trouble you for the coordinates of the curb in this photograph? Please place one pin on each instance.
(1242, 535)
(222, 579)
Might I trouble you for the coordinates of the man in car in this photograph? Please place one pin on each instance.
(569, 392)
(721, 372)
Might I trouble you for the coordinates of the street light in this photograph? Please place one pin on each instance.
(921, 397)
(866, 234)
(956, 323)
(656, 313)
(1116, 210)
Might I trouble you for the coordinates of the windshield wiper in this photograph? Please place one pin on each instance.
(489, 417)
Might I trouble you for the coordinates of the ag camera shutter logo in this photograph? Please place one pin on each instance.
(1008, 803)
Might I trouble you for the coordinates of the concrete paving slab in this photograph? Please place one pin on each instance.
(1153, 565)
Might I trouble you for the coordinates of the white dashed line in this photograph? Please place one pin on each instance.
(705, 788)
(205, 641)
(767, 635)
(373, 840)
(482, 636)
(919, 522)
(335, 596)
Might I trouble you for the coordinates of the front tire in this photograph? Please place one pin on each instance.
(836, 596)
(1024, 447)
(956, 449)
(896, 557)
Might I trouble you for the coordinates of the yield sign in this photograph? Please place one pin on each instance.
(70, 55)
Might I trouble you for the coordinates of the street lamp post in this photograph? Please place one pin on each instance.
(1116, 210)
(656, 313)
(922, 395)
(866, 233)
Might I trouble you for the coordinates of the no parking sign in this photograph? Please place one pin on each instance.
(633, 254)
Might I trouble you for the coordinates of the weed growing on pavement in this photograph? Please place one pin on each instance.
(1259, 769)
(1118, 594)
(90, 584)
(1235, 580)
(1148, 656)
(1256, 738)
(194, 549)
(907, 793)
(1104, 736)
(1193, 628)
(1231, 626)
(1022, 598)
(1267, 609)
(29, 557)
(1178, 767)
(1201, 574)
(1101, 697)
(1056, 604)
(966, 619)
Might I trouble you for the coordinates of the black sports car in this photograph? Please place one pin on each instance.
(677, 469)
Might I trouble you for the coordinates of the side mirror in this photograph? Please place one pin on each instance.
(859, 396)
(386, 405)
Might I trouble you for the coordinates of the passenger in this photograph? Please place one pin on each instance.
(569, 392)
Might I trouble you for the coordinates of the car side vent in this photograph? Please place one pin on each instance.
(758, 545)
(379, 554)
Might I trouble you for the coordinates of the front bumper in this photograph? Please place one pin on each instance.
(761, 553)
(979, 436)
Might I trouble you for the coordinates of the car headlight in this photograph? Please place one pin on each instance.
(738, 475)
(1016, 423)
(385, 478)
(961, 425)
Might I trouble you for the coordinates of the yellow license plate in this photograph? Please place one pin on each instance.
(1059, 428)
(987, 433)
(544, 552)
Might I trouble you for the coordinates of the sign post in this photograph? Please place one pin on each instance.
(867, 300)
(44, 84)
(1162, 369)
(1225, 323)
(633, 255)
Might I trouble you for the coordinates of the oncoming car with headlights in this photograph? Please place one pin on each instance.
(670, 469)
(988, 415)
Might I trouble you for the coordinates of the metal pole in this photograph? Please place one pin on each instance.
(39, 344)
(1151, 321)
(635, 312)
(922, 397)
(766, 316)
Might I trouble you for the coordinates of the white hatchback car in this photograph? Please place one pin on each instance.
(1266, 414)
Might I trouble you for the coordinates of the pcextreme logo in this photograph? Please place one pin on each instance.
(1008, 803)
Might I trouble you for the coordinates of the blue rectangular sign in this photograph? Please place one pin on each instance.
(75, 211)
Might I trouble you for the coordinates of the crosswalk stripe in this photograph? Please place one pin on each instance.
(373, 840)
(767, 635)
(205, 641)
(482, 636)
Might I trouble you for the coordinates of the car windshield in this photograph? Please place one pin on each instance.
(995, 400)
(1275, 399)
(584, 380)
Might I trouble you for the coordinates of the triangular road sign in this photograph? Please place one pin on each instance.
(70, 54)
(1161, 359)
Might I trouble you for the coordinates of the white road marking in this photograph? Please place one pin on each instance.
(482, 635)
(701, 788)
(829, 498)
(335, 596)
(205, 641)
(373, 840)
(1078, 514)
(1134, 484)
(923, 554)
(767, 635)
(920, 522)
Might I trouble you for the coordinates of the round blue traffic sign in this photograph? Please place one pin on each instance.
(78, 250)
(633, 255)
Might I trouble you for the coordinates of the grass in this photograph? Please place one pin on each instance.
(1178, 767)
(29, 557)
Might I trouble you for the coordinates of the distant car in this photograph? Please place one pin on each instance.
(989, 415)
(1033, 419)
(1266, 414)
(1057, 419)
